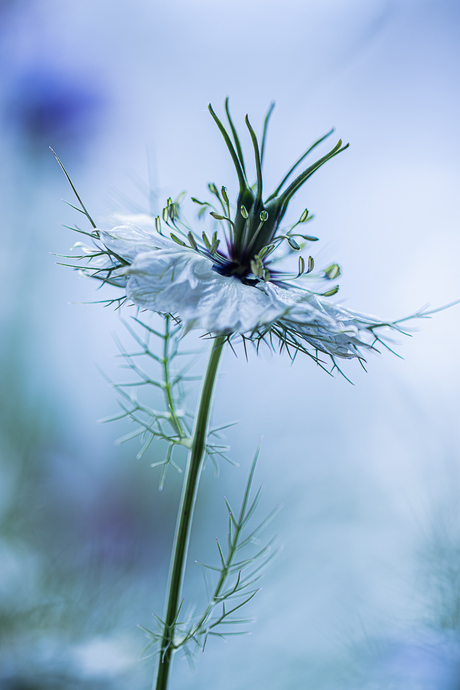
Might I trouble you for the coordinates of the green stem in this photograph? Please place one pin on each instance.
(185, 515)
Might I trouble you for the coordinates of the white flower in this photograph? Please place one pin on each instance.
(228, 283)
(165, 277)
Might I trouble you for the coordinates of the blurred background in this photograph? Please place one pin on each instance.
(366, 593)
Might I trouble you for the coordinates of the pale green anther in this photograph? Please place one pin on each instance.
(293, 244)
(262, 252)
(265, 250)
(254, 267)
(225, 195)
(244, 212)
(266, 274)
(217, 216)
(304, 216)
(309, 238)
(329, 293)
(214, 237)
(332, 272)
(213, 189)
(177, 240)
(191, 239)
(158, 224)
(214, 246)
(263, 216)
(197, 201)
(169, 202)
(206, 241)
(311, 264)
(301, 265)
(165, 214)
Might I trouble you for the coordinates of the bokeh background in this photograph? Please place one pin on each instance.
(366, 593)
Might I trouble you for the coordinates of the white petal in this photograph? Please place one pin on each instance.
(167, 278)
(140, 220)
(182, 281)
(130, 239)
(326, 326)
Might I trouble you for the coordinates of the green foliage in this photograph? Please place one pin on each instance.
(173, 424)
(238, 569)
(235, 578)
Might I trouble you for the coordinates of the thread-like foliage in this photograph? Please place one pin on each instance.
(174, 424)
(242, 559)
(235, 582)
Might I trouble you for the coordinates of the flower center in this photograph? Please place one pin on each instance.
(228, 268)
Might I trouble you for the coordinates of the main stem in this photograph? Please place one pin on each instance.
(185, 515)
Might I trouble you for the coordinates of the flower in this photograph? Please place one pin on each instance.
(235, 291)
(160, 275)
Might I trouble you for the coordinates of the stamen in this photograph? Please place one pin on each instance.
(225, 195)
(301, 266)
(206, 241)
(329, 293)
(214, 246)
(332, 272)
(192, 241)
(177, 240)
(303, 218)
(263, 218)
(293, 244)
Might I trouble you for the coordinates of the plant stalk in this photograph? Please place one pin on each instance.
(185, 516)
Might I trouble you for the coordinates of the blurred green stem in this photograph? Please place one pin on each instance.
(185, 515)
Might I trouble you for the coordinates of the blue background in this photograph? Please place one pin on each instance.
(367, 586)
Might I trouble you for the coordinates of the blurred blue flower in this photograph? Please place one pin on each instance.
(46, 107)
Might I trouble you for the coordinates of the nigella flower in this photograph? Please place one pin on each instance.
(226, 282)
